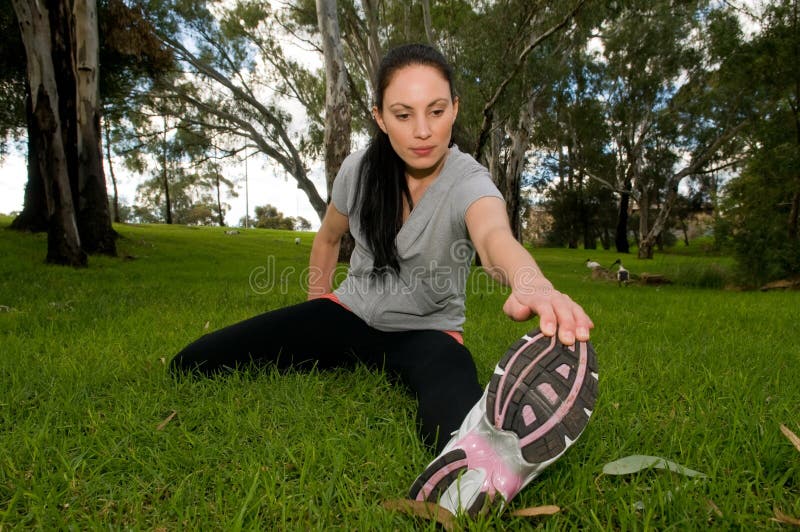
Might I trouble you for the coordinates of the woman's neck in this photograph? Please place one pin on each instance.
(417, 176)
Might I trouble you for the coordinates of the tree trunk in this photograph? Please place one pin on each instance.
(34, 216)
(220, 214)
(645, 243)
(94, 221)
(621, 236)
(494, 160)
(165, 178)
(373, 41)
(337, 103)
(111, 171)
(520, 142)
(426, 20)
(63, 242)
(337, 92)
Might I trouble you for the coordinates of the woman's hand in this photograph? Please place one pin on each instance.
(556, 311)
(510, 263)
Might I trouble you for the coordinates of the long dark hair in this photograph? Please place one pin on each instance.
(382, 180)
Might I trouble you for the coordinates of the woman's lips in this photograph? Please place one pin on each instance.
(422, 152)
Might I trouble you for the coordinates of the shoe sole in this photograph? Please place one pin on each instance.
(543, 393)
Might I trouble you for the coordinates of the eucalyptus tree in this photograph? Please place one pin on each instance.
(71, 54)
(184, 164)
(573, 138)
(235, 73)
(666, 123)
(132, 59)
(762, 203)
(61, 47)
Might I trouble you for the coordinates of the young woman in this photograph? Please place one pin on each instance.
(418, 209)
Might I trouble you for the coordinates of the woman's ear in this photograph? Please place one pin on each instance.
(376, 114)
(455, 109)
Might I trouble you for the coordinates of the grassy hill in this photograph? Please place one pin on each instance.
(703, 377)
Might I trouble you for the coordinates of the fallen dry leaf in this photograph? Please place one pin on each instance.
(714, 507)
(167, 420)
(791, 435)
(426, 510)
(785, 519)
(534, 511)
(207, 325)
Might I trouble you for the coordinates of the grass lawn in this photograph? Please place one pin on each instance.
(703, 377)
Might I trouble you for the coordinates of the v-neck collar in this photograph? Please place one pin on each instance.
(419, 216)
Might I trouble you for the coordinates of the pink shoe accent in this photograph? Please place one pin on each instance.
(500, 415)
(499, 477)
(548, 392)
(564, 370)
(566, 406)
(436, 478)
(527, 414)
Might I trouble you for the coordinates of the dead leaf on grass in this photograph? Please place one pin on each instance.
(636, 463)
(426, 510)
(167, 420)
(207, 325)
(785, 519)
(535, 511)
(791, 435)
(714, 507)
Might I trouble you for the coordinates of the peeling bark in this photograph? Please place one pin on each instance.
(337, 103)
(63, 242)
(94, 221)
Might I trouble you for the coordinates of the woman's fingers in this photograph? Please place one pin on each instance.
(516, 310)
(557, 312)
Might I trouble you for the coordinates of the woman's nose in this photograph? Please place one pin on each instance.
(422, 129)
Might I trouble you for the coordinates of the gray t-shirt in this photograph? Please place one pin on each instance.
(433, 246)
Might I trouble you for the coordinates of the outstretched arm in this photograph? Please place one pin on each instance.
(325, 252)
(531, 293)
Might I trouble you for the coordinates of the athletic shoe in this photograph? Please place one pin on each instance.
(536, 405)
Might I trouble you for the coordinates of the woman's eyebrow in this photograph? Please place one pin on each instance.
(406, 106)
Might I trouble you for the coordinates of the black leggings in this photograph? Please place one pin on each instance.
(437, 369)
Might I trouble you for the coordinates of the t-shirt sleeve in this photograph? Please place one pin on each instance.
(471, 188)
(343, 192)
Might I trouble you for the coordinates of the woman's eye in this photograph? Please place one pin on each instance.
(437, 112)
(401, 117)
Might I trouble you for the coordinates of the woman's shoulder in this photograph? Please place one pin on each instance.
(465, 165)
(353, 159)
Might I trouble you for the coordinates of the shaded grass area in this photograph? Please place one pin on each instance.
(701, 377)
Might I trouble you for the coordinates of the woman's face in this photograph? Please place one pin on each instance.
(418, 115)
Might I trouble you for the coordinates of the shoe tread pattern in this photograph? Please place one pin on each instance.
(542, 375)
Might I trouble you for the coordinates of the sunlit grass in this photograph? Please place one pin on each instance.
(700, 377)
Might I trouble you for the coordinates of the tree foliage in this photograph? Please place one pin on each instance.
(269, 217)
(760, 217)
